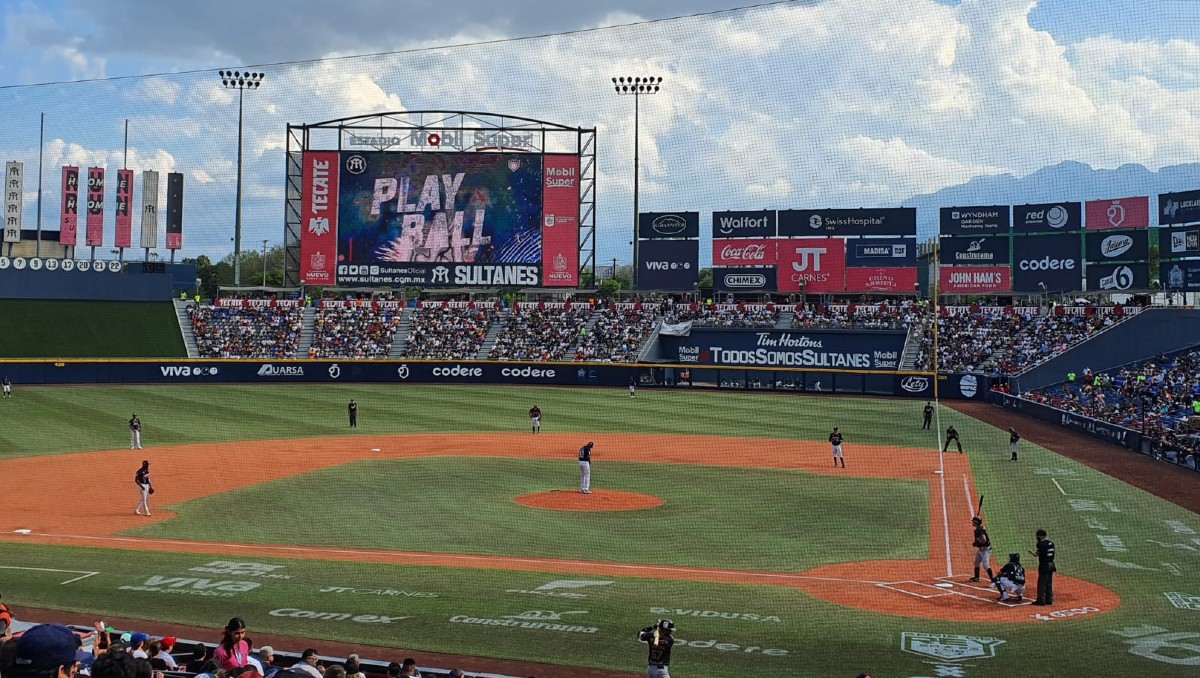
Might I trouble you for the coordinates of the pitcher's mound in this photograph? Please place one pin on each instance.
(598, 500)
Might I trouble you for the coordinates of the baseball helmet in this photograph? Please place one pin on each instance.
(666, 624)
(977, 520)
(1014, 557)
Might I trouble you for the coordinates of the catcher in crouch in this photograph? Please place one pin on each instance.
(1011, 582)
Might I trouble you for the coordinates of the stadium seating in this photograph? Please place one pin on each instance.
(541, 332)
(722, 315)
(246, 332)
(449, 332)
(883, 316)
(354, 331)
(619, 332)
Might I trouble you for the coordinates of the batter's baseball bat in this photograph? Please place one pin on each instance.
(979, 511)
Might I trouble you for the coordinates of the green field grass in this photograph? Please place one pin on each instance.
(89, 329)
(1107, 532)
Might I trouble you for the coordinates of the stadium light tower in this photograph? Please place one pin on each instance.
(241, 81)
(637, 86)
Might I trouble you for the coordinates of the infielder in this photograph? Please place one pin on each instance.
(135, 433)
(7, 387)
(952, 437)
(835, 439)
(352, 410)
(1013, 439)
(535, 419)
(142, 478)
(1011, 581)
(983, 549)
(660, 638)
(585, 468)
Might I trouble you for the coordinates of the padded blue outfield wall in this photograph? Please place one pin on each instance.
(102, 281)
(1100, 430)
(399, 372)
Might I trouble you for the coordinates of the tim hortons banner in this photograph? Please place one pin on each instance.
(975, 279)
(881, 252)
(149, 209)
(14, 186)
(95, 206)
(988, 219)
(68, 223)
(174, 211)
(812, 265)
(1179, 208)
(560, 221)
(318, 218)
(1117, 246)
(1047, 217)
(1117, 213)
(892, 280)
(744, 252)
(759, 224)
(124, 221)
(882, 221)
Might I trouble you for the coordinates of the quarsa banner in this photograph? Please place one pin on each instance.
(668, 265)
(881, 252)
(1102, 215)
(895, 221)
(1180, 276)
(657, 225)
(759, 224)
(1118, 277)
(744, 279)
(1049, 263)
(1117, 245)
(1179, 208)
(877, 350)
(973, 250)
(1047, 217)
(983, 220)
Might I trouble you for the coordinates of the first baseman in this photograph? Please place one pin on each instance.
(585, 468)
(983, 549)
(135, 433)
(142, 478)
(1013, 439)
(535, 419)
(835, 439)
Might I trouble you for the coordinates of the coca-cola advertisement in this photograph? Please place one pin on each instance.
(744, 252)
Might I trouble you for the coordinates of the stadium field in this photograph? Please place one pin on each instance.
(442, 524)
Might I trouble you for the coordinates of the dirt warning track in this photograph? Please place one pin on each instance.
(99, 496)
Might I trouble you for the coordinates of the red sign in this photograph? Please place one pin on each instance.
(318, 218)
(124, 237)
(899, 280)
(744, 252)
(975, 279)
(95, 206)
(560, 221)
(1102, 215)
(68, 223)
(812, 265)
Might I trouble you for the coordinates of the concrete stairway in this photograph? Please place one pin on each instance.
(785, 320)
(185, 329)
(306, 332)
(400, 341)
(489, 342)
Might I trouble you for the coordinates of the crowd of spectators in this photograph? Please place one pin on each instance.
(268, 332)
(721, 316)
(617, 336)
(532, 333)
(884, 316)
(354, 332)
(448, 333)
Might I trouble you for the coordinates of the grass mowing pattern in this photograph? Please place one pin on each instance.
(89, 329)
(743, 519)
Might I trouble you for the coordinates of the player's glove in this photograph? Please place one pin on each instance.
(152, 490)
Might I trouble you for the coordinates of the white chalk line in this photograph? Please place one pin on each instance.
(1060, 489)
(85, 573)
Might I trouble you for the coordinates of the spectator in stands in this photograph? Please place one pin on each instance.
(353, 670)
(310, 663)
(5, 621)
(199, 660)
(450, 333)
(115, 663)
(532, 333)
(233, 652)
(137, 645)
(266, 658)
(409, 668)
(46, 651)
(354, 332)
(222, 332)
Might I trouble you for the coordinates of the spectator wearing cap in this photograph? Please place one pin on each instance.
(137, 645)
(115, 663)
(164, 652)
(309, 663)
(233, 652)
(46, 651)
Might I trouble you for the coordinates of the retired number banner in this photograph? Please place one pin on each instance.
(14, 185)
(124, 221)
(68, 223)
(95, 206)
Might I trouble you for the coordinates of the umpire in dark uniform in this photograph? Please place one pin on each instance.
(1046, 569)
(927, 417)
(352, 410)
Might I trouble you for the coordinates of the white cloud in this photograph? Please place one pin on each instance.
(202, 177)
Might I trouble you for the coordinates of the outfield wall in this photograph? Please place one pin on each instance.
(1100, 430)
(842, 382)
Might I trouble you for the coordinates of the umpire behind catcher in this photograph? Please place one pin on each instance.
(660, 638)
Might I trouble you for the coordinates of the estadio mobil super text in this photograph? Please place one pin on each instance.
(814, 349)
(1116, 213)
(894, 221)
(669, 265)
(993, 219)
(1179, 208)
(743, 224)
(812, 265)
(1048, 263)
(1057, 217)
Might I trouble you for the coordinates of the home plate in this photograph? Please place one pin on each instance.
(23, 531)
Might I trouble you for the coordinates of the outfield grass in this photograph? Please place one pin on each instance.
(89, 329)
(1106, 531)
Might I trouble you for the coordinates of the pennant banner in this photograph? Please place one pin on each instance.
(149, 209)
(14, 185)
(68, 223)
(174, 211)
(124, 230)
(95, 206)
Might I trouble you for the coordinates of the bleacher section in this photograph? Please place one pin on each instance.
(542, 331)
(452, 330)
(248, 328)
(361, 329)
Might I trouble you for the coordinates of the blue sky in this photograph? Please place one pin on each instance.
(835, 103)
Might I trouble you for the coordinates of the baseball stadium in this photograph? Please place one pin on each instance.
(497, 399)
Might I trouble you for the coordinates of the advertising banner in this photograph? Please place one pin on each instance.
(68, 222)
(318, 217)
(442, 275)
(1179, 208)
(656, 225)
(1048, 263)
(14, 187)
(974, 279)
(174, 210)
(124, 205)
(149, 209)
(883, 221)
(759, 224)
(1047, 218)
(1117, 213)
(1180, 276)
(984, 220)
(560, 221)
(669, 265)
(1178, 243)
(891, 280)
(744, 279)
(1117, 435)
(403, 215)
(812, 265)
(744, 252)
(876, 350)
(954, 385)
(963, 250)
(1102, 277)
(95, 206)
(1117, 246)
(881, 252)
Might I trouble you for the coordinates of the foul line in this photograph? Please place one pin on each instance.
(970, 497)
(945, 513)
(84, 573)
(1060, 489)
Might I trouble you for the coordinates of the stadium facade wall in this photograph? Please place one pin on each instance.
(133, 282)
(1100, 430)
